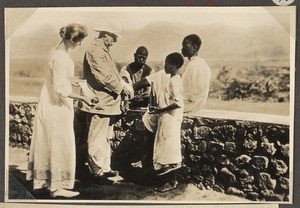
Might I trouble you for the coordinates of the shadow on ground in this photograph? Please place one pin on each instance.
(134, 185)
(140, 188)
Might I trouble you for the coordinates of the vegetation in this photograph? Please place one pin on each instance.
(257, 83)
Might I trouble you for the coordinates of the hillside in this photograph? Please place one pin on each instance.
(222, 45)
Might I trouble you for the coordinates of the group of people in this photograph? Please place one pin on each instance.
(178, 88)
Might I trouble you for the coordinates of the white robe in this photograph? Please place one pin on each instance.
(52, 151)
(195, 78)
(167, 144)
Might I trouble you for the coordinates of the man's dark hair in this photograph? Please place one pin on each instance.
(194, 39)
(142, 49)
(175, 58)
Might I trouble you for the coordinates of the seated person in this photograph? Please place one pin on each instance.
(135, 72)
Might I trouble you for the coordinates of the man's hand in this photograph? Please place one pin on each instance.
(154, 110)
(125, 94)
(91, 101)
(124, 106)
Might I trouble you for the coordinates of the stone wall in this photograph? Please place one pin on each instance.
(245, 158)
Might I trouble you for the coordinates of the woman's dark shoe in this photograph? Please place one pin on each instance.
(111, 173)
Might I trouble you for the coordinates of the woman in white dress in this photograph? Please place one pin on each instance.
(52, 152)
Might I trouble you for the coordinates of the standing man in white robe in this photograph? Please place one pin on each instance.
(195, 75)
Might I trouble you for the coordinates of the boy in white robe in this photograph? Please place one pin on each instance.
(167, 145)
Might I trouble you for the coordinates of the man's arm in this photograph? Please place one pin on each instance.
(165, 109)
(141, 84)
(102, 71)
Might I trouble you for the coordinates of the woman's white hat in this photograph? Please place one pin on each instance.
(112, 27)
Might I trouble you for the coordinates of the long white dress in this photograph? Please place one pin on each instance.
(52, 152)
(167, 144)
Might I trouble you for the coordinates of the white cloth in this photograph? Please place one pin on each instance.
(125, 74)
(128, 87)
(159, 79)
(52, 150)
(167, 144)
(195, 77)
(99, 149)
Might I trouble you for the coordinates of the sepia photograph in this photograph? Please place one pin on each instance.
(92, 94)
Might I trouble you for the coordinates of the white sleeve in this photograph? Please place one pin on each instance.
(62, 84)
(124, 74)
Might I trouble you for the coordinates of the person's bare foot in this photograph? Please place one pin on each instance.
(63, 193)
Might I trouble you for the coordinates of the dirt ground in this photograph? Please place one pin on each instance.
(120, 191)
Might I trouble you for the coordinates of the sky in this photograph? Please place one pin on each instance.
(24, 20)
(33, 32)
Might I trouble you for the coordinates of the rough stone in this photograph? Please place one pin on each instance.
(187, 124)
(232, 167)
(266, 182)
(257, 132)
(198, 178)
(243, 124)
(225, 132)
(243, 173)
(285, 150)
(201, 186)
(193, 147)
(222, 159)
(247, 187)
(267, 193)
(218, 188)
(186, 134)
(268, 147)
(254, 196)
(209, 181)
(283, 183)
(205, 157)
(206, 170)
(243, 160)
(216, 146)
(247, 180)
(278, 132)
(195, 158)
(277, 197)
(249, 143)
(228, 176)
(279, 167)
(208, 158)
(202, 122)
(235, 191)
(260, 162)
(230, 147)
(202, 146)
(202, 132)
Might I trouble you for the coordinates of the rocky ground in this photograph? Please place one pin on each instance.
(126, 191)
